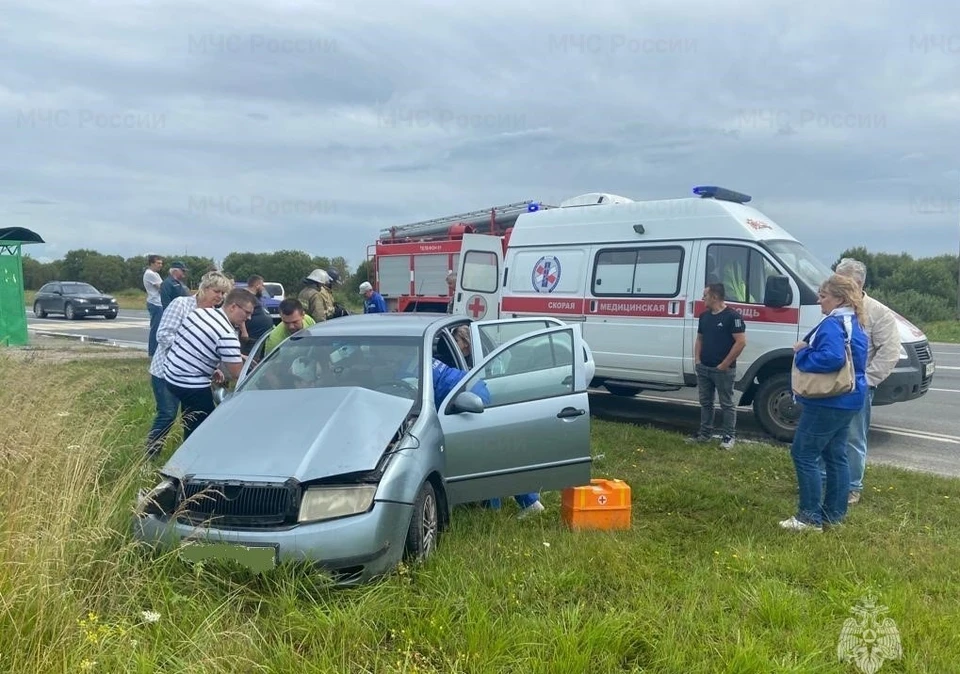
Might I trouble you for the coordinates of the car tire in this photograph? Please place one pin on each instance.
(110, 316)
(38, 311)
(424, 526)
(774, 407)
(69, 312)
(621, 390)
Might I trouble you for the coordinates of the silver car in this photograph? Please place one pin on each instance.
(334, 451)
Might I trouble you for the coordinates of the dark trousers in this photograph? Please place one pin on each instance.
(196, 404)
(167, 405)
(155, 311)
(710, 382)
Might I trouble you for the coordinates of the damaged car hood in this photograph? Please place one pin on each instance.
(305, 434)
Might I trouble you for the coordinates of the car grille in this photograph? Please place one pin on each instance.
(924, 355)
(239, 504)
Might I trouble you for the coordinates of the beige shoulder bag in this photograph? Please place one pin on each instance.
(827, 384)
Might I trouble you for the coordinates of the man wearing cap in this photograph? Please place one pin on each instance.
(316, 299)
(372, 300)
(172, 286)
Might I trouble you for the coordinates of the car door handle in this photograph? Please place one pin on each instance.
(567, 380)
(569, 412)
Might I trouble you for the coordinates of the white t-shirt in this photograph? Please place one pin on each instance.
(151, 283)
(205, 339)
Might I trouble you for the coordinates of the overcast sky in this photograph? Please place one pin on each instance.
(136, 126)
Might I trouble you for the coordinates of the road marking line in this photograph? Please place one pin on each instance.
(947, 367)
(945, 390)
(921, 435)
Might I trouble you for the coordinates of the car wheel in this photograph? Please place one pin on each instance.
(621, 390)
(38, 311)
(424, 525)
(69, 312)
(775, 409)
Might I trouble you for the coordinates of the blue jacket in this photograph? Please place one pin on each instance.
(375, 304)
(446, 378)
(826, 353)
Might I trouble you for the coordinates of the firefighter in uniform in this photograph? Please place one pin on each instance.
(316, 299)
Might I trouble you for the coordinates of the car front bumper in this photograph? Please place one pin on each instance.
(356, 549)
(95, 309)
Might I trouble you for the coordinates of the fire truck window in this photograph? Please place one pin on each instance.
(480, 272)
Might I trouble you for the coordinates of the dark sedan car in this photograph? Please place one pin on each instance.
(74, 300)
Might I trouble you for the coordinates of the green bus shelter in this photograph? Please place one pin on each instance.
(13, 313)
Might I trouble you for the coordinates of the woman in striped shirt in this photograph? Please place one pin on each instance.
(213, 286)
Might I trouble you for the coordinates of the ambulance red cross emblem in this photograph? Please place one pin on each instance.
(477, 306)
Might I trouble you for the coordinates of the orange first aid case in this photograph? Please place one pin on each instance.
(604, 504)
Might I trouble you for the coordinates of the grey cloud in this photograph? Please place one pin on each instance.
(293, 125)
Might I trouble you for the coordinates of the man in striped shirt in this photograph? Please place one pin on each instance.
(206, 338)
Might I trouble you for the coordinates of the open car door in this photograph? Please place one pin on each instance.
(478, 277)
(220, 393)
(486, 336)
(519, 421)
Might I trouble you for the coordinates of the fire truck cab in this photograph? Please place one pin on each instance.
(410, 263)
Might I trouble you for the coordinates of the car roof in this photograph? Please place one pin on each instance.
(400, 324)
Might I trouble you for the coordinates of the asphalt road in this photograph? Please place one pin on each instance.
(923, 434)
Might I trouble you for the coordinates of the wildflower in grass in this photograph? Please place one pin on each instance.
(150, 617)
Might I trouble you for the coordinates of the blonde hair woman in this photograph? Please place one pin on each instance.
(825, 422)
(213, 286)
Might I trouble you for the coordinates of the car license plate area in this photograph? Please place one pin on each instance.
(257, 558)
(929, 369)
(102, 307)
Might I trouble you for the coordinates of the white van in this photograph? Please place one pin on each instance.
(633, 273)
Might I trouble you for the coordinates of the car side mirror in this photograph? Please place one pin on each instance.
(468, 402)
(221, 395)
(778, 292)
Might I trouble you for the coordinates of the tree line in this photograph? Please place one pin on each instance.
(114, 273)
(921, 289)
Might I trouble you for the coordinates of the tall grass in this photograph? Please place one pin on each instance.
(704, 581)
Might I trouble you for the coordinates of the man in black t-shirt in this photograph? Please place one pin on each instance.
(720, 339)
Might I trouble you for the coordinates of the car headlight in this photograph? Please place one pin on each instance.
(80, 300)
(161, 500)
(326, 503)
(903, 353)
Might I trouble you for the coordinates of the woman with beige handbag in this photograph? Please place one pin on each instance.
(829, 382)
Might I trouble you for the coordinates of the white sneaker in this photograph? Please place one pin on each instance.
(727, 442)
(534, 508)
(796, 525)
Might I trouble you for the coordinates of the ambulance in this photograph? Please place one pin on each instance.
(632, 273)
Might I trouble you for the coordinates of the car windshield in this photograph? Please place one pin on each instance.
(387, 364)
(801, 261)
(79, 289)
(273, 288)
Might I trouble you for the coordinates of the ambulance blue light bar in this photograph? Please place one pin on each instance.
(721, 193)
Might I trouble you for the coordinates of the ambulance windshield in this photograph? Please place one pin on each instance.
(801, 261)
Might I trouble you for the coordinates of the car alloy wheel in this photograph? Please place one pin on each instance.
(424, 525)
(69, 312)
(37, 311)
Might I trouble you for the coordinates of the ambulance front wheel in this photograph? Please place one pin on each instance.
(774, 407)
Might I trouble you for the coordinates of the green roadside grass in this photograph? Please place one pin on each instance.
(703, 581)
(943, 331)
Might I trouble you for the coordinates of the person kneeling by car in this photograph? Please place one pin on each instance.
(445, 379)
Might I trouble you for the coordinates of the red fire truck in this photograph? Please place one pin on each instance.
(410, 263)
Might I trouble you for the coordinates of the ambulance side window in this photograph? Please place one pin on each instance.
(743, 271)
(638, 272)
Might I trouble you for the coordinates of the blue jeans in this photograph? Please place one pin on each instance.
(857, 444)
(167, 406)
(523, 500)
(155, 312)
(822, 435)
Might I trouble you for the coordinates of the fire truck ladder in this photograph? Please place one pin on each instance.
(501, 217)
